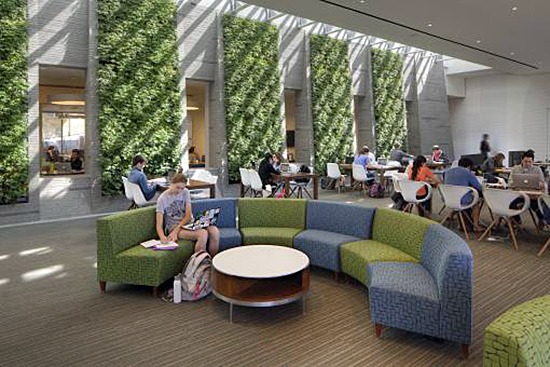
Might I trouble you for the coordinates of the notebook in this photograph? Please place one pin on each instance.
(157, 245)
(208, 218)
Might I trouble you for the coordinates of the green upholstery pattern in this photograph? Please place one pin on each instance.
(401, 230)
(273, 213)
(120, 258)
(520, 336)
(269, 236)
(356, 255)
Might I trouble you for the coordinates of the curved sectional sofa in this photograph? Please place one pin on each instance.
(417, 272)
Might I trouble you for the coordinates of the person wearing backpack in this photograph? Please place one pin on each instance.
(174, 211)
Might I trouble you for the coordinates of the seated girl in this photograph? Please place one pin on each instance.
(420, 172)
(174, 211)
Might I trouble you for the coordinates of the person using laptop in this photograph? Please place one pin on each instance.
(527, 176)
(174, 211)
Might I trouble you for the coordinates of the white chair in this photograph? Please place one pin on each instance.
(301, 187)
(333, 172)
(359, 175)
(454, 164)
(138, 197)
(245, 180)
(256, 185)
(128, 193)
(388, 175)
(409, 190)
(499, 202)
(544, 200)
(452, 197)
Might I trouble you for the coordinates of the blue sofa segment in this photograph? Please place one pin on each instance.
(433, 297)
(328, 225)
(230, 236)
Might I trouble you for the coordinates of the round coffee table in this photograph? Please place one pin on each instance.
(260, 276)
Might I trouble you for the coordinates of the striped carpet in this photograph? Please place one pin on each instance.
(52, 314)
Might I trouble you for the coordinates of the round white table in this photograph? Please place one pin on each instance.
(260, 276)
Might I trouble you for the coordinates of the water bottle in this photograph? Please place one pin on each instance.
(177, 289)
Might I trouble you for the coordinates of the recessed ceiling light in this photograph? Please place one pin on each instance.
(512, 53)
(514, 8)
(429, 25)
(362, 1)
(478, 41)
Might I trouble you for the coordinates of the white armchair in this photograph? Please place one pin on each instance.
(452, 197)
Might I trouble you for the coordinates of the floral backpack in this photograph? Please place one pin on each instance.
(195, 278)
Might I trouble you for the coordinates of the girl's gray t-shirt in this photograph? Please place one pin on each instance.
(173, 208)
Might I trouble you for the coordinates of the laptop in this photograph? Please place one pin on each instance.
(208, 218)
(285, 167)
(526, 181)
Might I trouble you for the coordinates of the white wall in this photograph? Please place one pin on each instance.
(512, 109)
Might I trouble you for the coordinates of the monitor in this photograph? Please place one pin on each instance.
(477, 159)
(514, 157)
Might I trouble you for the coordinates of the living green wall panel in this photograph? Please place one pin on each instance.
(331, 101)
(252, 92)
(389, 106)
(14, 162)
(139, 98)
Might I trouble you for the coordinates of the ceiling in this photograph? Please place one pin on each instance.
(487, 32)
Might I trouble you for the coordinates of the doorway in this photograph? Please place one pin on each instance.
(197, 115)
(290, 119)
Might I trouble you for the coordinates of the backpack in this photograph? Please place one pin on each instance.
(376, 190)
(195, 278)
(303, 169)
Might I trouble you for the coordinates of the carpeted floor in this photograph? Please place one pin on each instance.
(52, 313)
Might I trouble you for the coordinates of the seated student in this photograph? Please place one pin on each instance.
(52, 154)
(490, 165)
(438, 155)
(266, 169)
(278, 159)
(364, 159)
(76, 161)
(138, 177)
(463, 176)
(420, 172)
(400, 156)
(527, 167)
(174, 211)
(194, 157)
(372, 158)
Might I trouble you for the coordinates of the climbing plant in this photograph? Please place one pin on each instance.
(331, 101)
(139, 99)
(14, 163)
(252, 92)
(389, 107)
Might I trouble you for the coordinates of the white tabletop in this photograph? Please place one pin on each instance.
(260, 261)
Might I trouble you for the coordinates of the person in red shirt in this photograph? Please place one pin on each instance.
(420, 172)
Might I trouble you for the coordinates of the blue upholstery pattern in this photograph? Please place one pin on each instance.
(449, 260)
(347, 219)
(322, 247)
(229, 237)
(226, 218)
(404, 295)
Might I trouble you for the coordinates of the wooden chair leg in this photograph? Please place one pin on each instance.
(102, 286)
(488, 230)
(465, 351)
(512, 233)
(378, 330)
(461, 217)
(446, 218)
(534, 220)
(544, 247)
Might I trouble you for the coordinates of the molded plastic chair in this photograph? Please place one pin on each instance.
(452, 197)
(245, 180)
(544, 200)
(128, 193)
(388, 175)
(499, 202)
(333, 172)
(137, 195)
(359, 175)
(409, 190)
(301, 187)
(256, 185)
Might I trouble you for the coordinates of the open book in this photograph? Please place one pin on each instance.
(157, 245)
(208, 218)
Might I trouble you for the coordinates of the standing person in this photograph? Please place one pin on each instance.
(420, 172)
(174, 211)
(438, 155)
(400, 156)
(484, 147)
(463, 176)
(138, 177)
(266, 169)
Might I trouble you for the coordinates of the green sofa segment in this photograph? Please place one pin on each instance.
(355, 257)
(121, 258)
(271, 221)
(520, 336)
